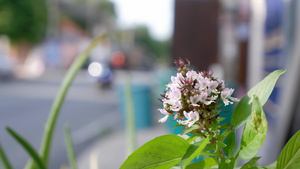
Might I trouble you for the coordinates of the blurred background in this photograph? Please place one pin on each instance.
(240, 40)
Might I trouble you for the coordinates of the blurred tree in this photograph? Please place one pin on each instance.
(25, 23)
(107, 9)
(23, 20)
(160, 48)
(90, 13)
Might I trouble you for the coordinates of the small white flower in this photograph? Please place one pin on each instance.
(192, 75)
(226, 95)
(212, 84)
(195, 99)
(174, 94)
(192, 117)
(201, 83)
(174, 104)
(164, 119)
(204, 97)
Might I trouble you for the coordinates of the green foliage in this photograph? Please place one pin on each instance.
(160, 153)
(289, 157)
(262, 90)
(250, 163)
(23, 20)
(70, 149)
(205, 164)
(192, 152)
(158, 48)
(106, 9)
(230, 144)
(4, 160)
(255, 131)
(35, 156)
(227, 163)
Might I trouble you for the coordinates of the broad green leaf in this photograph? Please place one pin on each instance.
(294, 165)
(250, 163)
(255, 131)
(205, 164)
(160, 153)
(70, 149)
(192, 152)
(28, 148)
(227, 163)
(290, 153)
(175, 167)
(4, 160)
(230, 144)
(262, 90)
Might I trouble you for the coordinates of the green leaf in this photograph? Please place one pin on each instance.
(5, 163)
(294, 165)
(255, 131)
(272, 166)
(28, 148)
(262, 90)
(189, 129)
(250, 163)
(160, 153)
(290, 153)
(192, 138)
(205, 164)
(224, 134)
(258, 167)
(192, 152)
(70, 149)
(227, 163)
(230, 144)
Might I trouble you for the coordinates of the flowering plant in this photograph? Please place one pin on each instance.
(194, 99)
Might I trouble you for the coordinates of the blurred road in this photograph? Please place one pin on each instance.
(25, 104)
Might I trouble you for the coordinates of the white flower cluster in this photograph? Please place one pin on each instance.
(194, 95)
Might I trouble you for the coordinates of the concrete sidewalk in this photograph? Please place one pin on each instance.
(110, 152)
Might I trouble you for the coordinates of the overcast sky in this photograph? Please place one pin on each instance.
(156, 14)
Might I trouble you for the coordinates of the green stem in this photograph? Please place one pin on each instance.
(70, 149)
(129, 116)
(55, 109)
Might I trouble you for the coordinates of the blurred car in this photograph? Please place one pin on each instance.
(6, 68)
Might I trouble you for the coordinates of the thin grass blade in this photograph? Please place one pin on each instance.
(70, 149)
(4, 160)
(30, 150)
(57, 104)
